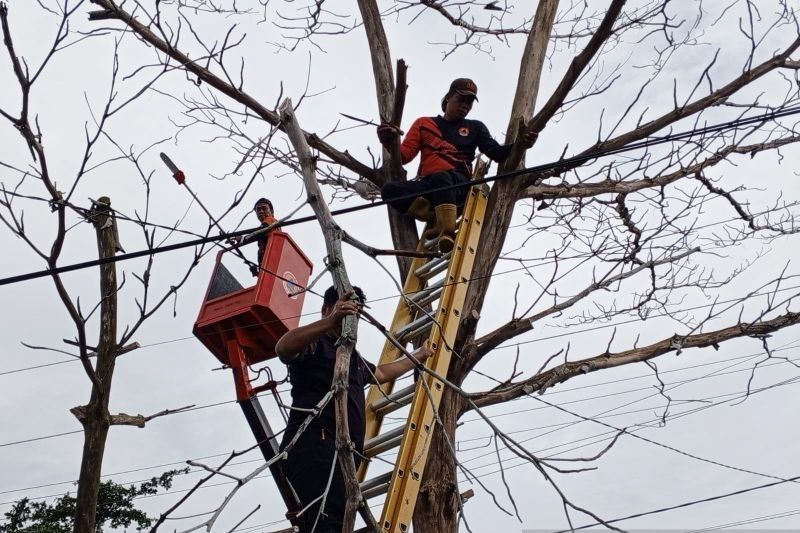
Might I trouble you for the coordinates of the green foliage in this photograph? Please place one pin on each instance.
(114, 508)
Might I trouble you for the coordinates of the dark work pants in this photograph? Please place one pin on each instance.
(308, 467)
(422, 186)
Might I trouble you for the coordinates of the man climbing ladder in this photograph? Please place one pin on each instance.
(447, 143)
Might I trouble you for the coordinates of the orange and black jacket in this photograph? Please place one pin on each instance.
(449, 145)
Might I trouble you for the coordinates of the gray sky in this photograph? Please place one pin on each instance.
(173, 370)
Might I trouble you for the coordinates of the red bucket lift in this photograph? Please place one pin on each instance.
(255, 317)
(240, 326)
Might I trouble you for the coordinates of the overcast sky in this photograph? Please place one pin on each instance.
(41, 443)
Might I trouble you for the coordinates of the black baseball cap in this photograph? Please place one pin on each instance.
(464, 87)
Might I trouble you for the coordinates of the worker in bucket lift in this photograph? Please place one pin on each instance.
(447, 143)
(266, 215)
(310, 354)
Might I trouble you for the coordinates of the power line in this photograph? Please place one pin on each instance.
(33, 439)
(638, 515)
(54, 435)
(689, 503)
(131, 471)
(537, 169)
(167, 248)
(167, 341)
(747, 521)
(459, 441)
(228, 402)
(604, 436)
(45, 437)
(266, 475)
(605, 412)
(396, 295)
(629, 391)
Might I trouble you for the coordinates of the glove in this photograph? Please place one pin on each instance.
(387, 133)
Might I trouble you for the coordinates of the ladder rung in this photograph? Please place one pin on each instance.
(434, 266)
(424, 293)
(430, 244)
(413, 328)
(385, 441)
(376, 486)
(392, 402)
(423, 298)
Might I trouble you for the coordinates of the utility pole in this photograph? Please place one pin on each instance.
(94, 416)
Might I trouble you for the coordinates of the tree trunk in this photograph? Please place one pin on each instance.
(404, 237)
(96, 419)
(530, 68)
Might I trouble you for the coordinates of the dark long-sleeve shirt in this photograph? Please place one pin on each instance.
(311, 375)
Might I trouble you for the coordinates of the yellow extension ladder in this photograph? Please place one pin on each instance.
(435, 291)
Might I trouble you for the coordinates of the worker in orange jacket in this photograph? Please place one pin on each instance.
(447, 144)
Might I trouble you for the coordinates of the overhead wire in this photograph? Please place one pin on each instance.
(607, 435)
(626, 404)
(483, 475)
(686, 504)
(536, 169)
(228, 402)
(396, 295)
(618, 393)
(779, 361)
(33, 439)
(637, 515)
(748, 521)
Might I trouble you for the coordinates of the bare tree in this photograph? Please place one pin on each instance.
(634, 225)
(35, 186)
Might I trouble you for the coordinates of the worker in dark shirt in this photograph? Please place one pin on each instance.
(266, 215)
(310, 353)
(447, 143)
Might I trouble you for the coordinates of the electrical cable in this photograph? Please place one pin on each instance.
(508, 175)
(582, 400)
(748, 521)
(459, 441)
(466, 421)
(496, 177)
(227, 402)
(267, 475)
(687, 504)
(383, 298)
(537, 169)
(605, 436)
(605, 412)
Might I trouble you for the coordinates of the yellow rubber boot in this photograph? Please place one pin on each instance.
(446, 222)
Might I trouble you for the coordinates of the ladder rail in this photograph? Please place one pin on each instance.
(403, 316)
(431, 306)
(412, 457)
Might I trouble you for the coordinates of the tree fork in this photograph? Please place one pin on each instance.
(98, 420)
